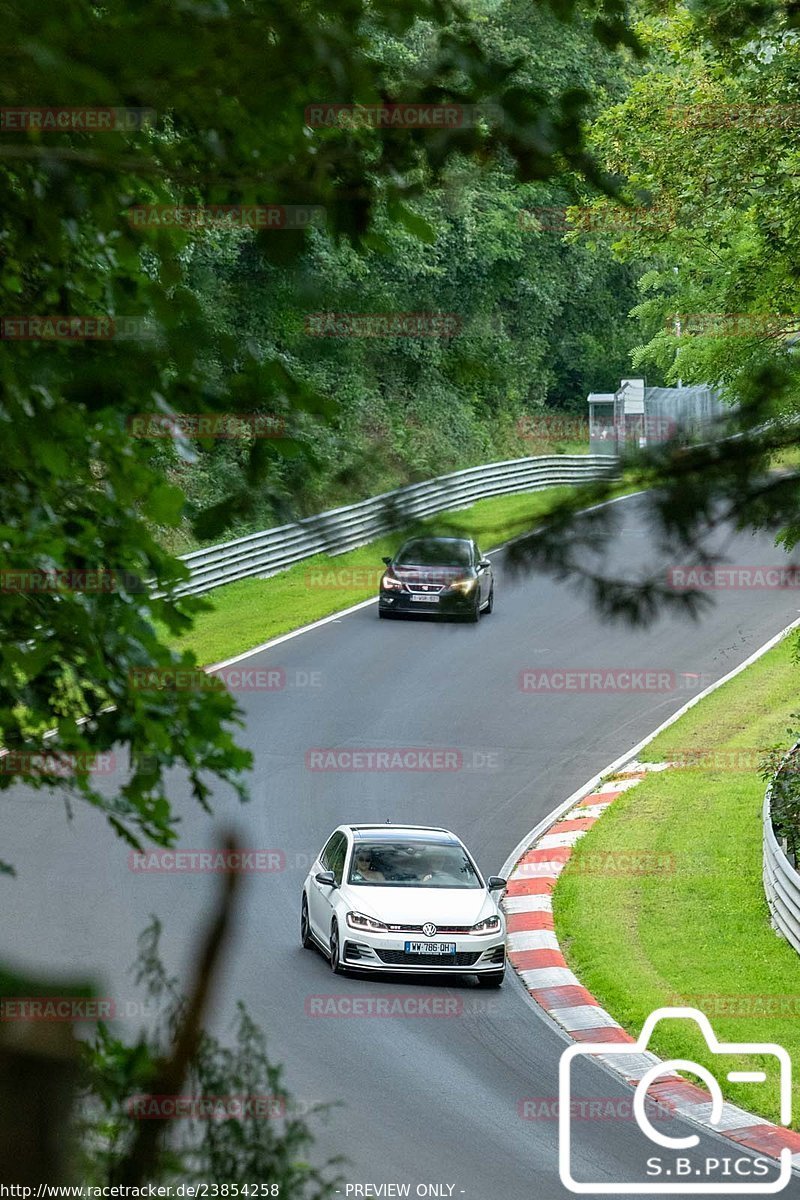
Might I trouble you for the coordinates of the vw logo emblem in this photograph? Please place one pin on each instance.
(429, 929)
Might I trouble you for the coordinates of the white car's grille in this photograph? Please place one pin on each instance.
(439, 928)
(399, 958)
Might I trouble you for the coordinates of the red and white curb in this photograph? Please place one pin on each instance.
(535, 954)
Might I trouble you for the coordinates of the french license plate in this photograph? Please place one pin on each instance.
(426, 599)
(430, 948)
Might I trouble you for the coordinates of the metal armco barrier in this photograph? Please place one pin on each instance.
(781, 880)
(342, 529)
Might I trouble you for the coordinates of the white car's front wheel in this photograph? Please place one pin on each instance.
(305, 926)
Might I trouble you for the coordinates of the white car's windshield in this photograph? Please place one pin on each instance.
(412, 864)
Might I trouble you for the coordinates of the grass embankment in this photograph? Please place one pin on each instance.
(696, 931)
(252, 611)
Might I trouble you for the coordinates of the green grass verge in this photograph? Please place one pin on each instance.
(255, 610)
(696, 930)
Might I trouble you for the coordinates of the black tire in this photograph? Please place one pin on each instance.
(492, 980)
(490, 601)
(336, 962)
(475, 614)
(385, 614)
(305, 926)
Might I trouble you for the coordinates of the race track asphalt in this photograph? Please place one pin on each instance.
(426, 1100)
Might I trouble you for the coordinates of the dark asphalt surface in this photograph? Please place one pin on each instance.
(428, 1100)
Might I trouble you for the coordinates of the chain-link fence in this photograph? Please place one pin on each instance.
(636, 415)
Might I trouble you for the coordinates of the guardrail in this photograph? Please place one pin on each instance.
(342, 529)
(781, 880)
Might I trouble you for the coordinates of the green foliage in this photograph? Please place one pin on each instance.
(244, 1147)
(539, 321)
(780, 771)
(415, 220)
(703, 150)
(227, 85)
(709, 144)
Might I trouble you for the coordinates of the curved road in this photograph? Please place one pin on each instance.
(427, 1100)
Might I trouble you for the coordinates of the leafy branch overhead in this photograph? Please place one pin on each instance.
(225, 91)
(214, 319)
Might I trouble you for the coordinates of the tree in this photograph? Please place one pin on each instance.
(703, 151)
(77, 488)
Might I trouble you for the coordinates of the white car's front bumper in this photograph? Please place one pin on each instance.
(368, 951)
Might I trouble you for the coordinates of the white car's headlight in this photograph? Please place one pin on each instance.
(490, 925)
(464, 586)
(357, 920)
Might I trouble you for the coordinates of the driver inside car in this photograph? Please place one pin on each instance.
(364, 869)
(433, 868)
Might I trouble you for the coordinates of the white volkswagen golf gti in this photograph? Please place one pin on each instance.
(403, 898)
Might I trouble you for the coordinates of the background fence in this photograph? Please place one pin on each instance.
(781, 880)
(341, 529)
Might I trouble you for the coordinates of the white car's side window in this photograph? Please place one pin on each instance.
(325, 856)
(337, 857)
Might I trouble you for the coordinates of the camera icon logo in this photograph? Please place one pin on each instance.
(670, 1067)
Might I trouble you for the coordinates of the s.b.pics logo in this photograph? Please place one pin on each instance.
(673, 1162)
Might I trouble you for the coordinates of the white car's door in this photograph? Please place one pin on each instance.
(317, 903)
(321, 898)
